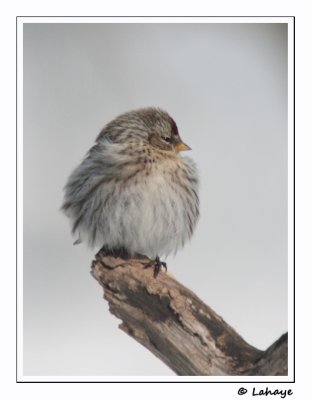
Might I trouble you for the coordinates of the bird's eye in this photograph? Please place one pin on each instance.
(167, 139)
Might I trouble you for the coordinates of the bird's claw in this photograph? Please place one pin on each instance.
(157, 264)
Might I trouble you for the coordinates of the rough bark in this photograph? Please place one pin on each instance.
(176, 326)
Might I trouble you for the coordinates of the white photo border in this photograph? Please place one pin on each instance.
(290, 20)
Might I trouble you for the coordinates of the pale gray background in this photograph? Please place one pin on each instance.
(226, 87)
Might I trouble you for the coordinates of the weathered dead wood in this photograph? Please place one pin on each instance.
(176, 326)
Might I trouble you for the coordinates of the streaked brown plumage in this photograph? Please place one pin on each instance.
(134, 191)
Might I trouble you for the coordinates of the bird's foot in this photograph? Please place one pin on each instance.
(157, 264)
(119, 252)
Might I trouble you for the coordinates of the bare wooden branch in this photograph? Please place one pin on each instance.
(176, 326)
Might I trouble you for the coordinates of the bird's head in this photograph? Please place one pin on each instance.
(163, 131)
(151, 125)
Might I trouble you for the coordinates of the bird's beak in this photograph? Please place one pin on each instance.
(182, 147)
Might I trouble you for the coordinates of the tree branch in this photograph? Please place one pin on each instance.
(176, 326)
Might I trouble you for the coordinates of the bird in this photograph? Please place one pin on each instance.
(134, 193)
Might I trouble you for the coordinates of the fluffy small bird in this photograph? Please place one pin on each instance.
(134, 193)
